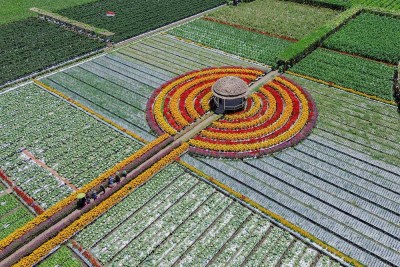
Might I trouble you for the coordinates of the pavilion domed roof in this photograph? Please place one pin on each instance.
(230, 87)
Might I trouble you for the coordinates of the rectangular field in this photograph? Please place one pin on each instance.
(134, 17)
(370, 35)
(285, 18)
(32, 45)
(366, 76)
(61, 257)
(119, 84)
(177, 219)
(49, 148)
(12, 11)
(341, 184)
(244, 43)
(13, 214)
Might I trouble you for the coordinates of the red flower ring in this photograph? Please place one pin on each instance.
(279, 115)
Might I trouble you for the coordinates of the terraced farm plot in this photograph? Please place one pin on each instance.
(341, 184)
(49, 148)
(32, 45)
(244, 43)
(366, 76)
(176, 218)
(61, 257)
(370, 35)
(119, 84)
(285, 18)
(13, 214)
(134, 17)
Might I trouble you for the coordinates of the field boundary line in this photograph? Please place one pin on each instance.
(350, 90)
(90, 111)
(159, 30)
(282, 222)
(250, 29)
(48, 168)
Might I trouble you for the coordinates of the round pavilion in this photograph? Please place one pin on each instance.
(229, 94)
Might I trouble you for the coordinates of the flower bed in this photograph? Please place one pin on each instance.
(279, 115)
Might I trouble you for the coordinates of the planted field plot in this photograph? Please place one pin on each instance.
(62, 257)
(386, 4)
(49, 148)
(366, 76)
(341, 184)
(369, 35)
(244, 43)
(133, 17)
(32, 45)
(12, 11)
(119, 84)
(178, 219)
(285, 18)
(13, 214)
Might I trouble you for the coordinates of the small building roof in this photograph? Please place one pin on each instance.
(230, 87)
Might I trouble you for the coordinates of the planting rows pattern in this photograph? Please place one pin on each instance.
(333, 174)
(373, 78)
(178, 219)
(119, 84)
(57, 135)
(12, 214)
(133, 17)
(61, 257)
(233, 40)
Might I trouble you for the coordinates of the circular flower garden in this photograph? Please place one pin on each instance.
(278, 115)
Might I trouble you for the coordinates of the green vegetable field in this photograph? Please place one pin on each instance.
(369, 35)
(17, 10)
(133, 18)
(32, 45)
(262, 48)
(364, 75)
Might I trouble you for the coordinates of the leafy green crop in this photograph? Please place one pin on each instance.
(62, 257)
(134, 17)
(251, 45)
(369, 35)
(360, 74)
(32, 45)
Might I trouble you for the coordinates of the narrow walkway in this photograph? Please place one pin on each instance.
(52, 171)
(270, 76)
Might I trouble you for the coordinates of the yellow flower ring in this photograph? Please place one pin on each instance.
(279, 115)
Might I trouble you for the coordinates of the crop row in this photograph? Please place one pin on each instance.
(236, 41)
(134, 17)
(12, 214)
(119, 84)
(177, 219)
(59, 136)
(369, 35)
(32, 45)
(360, 74)
(61, 257)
